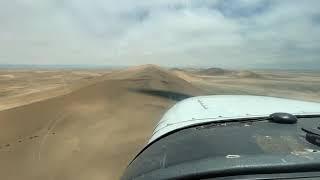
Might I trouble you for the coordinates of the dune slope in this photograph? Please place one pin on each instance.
(91, 133)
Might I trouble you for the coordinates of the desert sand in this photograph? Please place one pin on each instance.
(89, 124)
(24, 86)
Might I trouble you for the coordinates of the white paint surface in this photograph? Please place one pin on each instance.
(223, 107)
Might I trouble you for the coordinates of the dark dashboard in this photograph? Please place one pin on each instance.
(244, 148)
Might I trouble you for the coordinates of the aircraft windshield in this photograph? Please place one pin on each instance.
(83, 84)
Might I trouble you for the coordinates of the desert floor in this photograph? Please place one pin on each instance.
(89, 124)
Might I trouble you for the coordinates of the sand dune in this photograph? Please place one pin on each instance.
(90, 133)
(215, 72)
(225, 72)
(156, 78)
(248, 74)
(187, 75)
(26, 86)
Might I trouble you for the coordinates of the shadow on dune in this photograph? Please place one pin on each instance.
(164, 94)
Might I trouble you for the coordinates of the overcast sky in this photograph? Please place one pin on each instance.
(225, 33)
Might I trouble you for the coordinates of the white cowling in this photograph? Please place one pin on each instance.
(203, 109)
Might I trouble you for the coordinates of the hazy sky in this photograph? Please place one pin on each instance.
(226, 33)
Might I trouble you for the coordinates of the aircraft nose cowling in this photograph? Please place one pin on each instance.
(203, 109)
